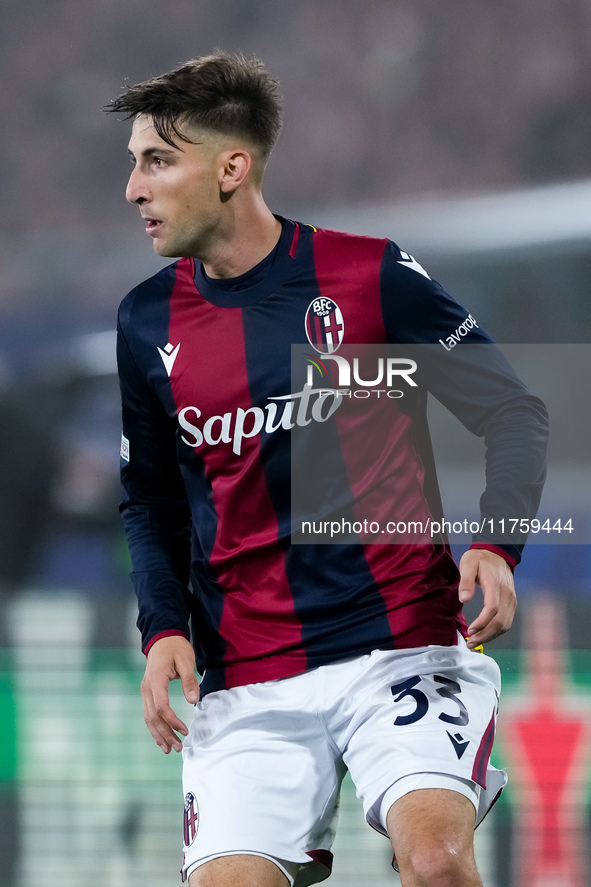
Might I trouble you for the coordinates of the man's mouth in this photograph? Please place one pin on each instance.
(152, 225)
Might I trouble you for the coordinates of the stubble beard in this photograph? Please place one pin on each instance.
(185, 244)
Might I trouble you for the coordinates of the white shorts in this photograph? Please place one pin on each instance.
(263, 763)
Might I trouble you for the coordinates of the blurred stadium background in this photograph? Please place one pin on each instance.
(463, 131)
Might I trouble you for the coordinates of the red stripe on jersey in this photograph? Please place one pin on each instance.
(217, 384)
(294, 242)
(418, 582)
(311, 329)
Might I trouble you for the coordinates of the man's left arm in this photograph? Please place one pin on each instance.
(483, 391)
(467, 372)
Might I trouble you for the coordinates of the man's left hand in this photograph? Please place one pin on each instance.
(493, 574)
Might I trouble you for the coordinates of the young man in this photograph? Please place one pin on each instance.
(316, 658)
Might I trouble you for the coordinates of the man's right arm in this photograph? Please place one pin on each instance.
(158, 526)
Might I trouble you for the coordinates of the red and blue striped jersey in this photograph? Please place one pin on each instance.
(209, 408)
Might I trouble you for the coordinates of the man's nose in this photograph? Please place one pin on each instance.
(137, 190)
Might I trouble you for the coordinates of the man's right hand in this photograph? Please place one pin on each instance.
(169, 659)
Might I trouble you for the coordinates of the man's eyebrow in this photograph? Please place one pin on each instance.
(149, 152)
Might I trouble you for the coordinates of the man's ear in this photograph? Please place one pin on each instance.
(235, 167)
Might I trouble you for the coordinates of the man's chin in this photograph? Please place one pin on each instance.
(166, 250)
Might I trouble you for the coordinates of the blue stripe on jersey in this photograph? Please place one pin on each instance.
(149, 312)
(207, 602)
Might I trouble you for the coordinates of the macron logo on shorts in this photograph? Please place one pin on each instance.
(459, 743)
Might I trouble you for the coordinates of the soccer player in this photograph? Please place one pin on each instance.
(316, 658)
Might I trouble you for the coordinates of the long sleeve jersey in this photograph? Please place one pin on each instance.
(211, 408)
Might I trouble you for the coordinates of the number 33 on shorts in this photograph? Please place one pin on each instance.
(420, 701)
(450, 689)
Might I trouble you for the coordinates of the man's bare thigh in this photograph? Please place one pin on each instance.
(238, 871)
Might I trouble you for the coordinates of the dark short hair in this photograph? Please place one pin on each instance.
(224, 93)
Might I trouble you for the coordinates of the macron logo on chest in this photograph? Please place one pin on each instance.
(168, 355)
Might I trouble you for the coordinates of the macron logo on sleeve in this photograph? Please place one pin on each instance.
(409, 262)
(168, 355)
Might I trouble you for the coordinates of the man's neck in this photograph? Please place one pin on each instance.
(244, 244)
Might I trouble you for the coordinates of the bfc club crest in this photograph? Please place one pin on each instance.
(325, 326)
(191, 820)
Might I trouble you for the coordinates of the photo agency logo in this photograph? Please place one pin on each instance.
(386, 374)
(359, 375)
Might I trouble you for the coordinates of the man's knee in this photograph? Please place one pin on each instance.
(432, 835)
(438, 865)
(238, 871)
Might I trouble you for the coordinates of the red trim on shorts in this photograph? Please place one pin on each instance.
(322, 857)
(496, 550)
(164, 634)
(483, 754)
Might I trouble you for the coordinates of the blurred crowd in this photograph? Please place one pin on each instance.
(383, 100)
